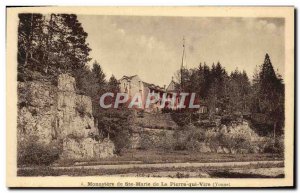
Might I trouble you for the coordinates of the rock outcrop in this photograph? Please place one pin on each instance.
(236, 138)
(57, 113)
(231, 139)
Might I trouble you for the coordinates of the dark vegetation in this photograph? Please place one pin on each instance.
(231, 96)
(34, 153)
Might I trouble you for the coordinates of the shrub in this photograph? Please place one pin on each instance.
(272, 146)
(24, 97)
(180, 140)
(146, 141)
(180, 145)
(181, 118)
(81, 109)
(194, 137)
(188, 138)
(30, 152)
(34, 112)
(167, 144)
(121, 141)
(76, 138)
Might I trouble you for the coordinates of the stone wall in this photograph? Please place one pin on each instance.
(152, 138)
(236, 138)
(59, 114)
(151, 128)
(156, 121)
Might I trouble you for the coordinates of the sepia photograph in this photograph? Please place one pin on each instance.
(150, 97)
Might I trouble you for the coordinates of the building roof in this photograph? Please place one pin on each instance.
(128, 77)
(146, 84)
(171, 86)
(153, 86)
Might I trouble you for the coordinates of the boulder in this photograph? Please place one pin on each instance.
(233, 151)
(204, 148)
(77, 148)
(104, 149)
(66, 83)
(220, 150)
(226, 150)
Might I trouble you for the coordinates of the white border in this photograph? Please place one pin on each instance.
(103, 2)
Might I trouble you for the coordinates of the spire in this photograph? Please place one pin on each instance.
(183, 51)
(181, 69)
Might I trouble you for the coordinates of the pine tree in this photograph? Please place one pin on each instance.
(98, 73)
(51, 44)
(216, 92)
(270, 96)
(113, 84)
(30, 43)
(238, 90)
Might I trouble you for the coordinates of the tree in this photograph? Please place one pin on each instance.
(30, 44)
(238, 92)
(270, 96)
(67, 47)
(113, 85)
(115, 124)
(216, 92)
(98, 73)
(50, 44)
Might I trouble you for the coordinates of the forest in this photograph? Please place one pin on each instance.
(259, 98)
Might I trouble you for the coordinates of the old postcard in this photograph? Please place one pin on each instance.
(150, 97)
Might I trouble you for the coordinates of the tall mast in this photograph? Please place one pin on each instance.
(181, 69)
(183, 52)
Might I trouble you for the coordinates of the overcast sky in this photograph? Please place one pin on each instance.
(152, 46)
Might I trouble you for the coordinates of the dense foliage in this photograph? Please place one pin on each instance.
(50, 45)
(228, 95)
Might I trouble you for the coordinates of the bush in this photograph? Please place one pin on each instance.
(24, 97)
(30, 152)
(121, 141)
(180, 145)
(188, 138)
(81, 109)
(235, 141)
(168, 144)
(272, 146)
(181, 118)
(194, 138)
(214, 140)
(146, 142)
(75, 137)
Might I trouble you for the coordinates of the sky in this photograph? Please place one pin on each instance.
(151, 46)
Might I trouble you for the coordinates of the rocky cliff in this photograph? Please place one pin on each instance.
(57, 115)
